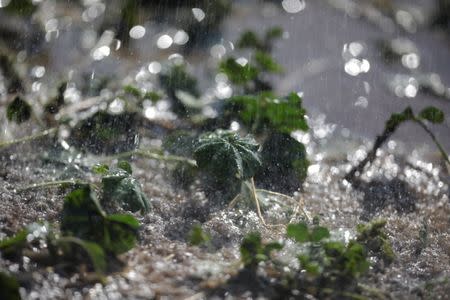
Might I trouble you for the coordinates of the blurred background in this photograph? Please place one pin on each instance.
(354, 61)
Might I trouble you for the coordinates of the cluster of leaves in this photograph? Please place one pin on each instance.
(87, 234)
(251, 75)
(327, 268)
(18, 110)
(376, 241)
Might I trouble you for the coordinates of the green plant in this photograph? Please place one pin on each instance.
(430, 114)
(375, 240)
(254, 251)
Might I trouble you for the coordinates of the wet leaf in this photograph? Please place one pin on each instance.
(83, 218)
(432, 114)
(13, 246)
(266, 63)
(18, 110)
(253, 250)
(100, 169)
(319, 233)
(124, 165)
(9, 287)
(69, 246)
(267, 112)
(120, 187)
(225, 154)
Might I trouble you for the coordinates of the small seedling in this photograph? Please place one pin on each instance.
(430, 114)
(254, 251)
(376, 241)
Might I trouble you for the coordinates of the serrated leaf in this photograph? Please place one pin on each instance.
(224, 153)
(432, 114)
(120, 187)
(18, 110)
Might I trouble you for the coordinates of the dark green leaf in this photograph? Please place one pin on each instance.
(273, 33)
(226, 154)
(93, 251)
(120, 234)
(132, 90)
(120, 187)
(396, 119)
(299, 232)
(249, 39)
(251, 246)
(18, 110)
(9, 287)
(432, 114)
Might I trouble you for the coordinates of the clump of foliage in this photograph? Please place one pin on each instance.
(428, 114)
(251, 75)
(376, 241)
(326, 269)
(87, 234)
(18, 110)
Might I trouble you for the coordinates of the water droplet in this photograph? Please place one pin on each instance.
(137, 32)
(293, 6)
(181, 37)
(101, 52)
(164, 41)
(198, 13)
(4, 3)
(218, 51)
(154, 67)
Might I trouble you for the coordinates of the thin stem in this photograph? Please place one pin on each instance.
(255, 197)
(433, 137)
(300, 203)
(29, 138)
(157, 156)
(50, 184)
(380, 140)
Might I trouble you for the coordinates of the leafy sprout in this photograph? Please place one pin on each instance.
(197, 236)
(253, 250)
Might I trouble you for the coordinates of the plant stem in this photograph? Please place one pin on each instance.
(28, 138)
(380, 140)
(433, 137)
(255, 197)
(50, 184)
(157, 156)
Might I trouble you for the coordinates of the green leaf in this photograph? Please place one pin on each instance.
(237, 73)
(69, 247)
(18, 110)
(251, 246)
(432, 114)
(23, 8)
(396, 119)
(120, 235)
(267, 63)
(12, 246)
(132, 90)
(273, 33)
(319, 233)
(9, 287)
(120, 187)
(225, 154)
(83, 218)
(197, 236)
(299, 232)
(124, 165)
(100, 169)
(267, 112)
